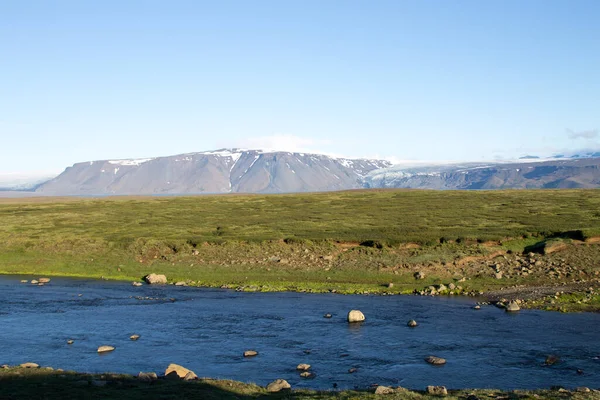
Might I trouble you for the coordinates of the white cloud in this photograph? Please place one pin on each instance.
(286, 142)
(589, 134)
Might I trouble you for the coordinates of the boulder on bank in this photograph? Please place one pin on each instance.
(278, 385)
(155, 279)
(175, 370)
(419, 275)
(512, 307)
(437, 390)
(384, 390)
(355, 316)
(105, 349)
(29, 365)
(147, 376)
(435, 360)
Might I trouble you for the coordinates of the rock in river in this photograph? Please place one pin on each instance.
(154, 279)
(250, 353)
(134, 337)
(435, 360)
(278, 385)
(303, 367)
(44, 280)
(355, 316)
(105, 349)
(412, 323)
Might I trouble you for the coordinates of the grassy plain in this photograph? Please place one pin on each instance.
(350, 242)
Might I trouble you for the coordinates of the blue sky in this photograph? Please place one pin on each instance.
(409, 80)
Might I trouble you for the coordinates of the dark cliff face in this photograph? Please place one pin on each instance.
(580, 173)
(221, 171)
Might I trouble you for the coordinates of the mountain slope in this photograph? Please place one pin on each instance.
(220, 171)
(577, 173)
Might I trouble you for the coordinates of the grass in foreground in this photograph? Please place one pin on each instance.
(21, 383)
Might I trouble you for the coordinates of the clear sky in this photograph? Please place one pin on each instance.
(412, 80)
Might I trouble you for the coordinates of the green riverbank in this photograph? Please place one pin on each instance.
(357, 242)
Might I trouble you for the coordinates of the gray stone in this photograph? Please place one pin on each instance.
(435, 360)
(512, 307)
(154, 279)
(355, 316)
(105, 349)
(147, 376)
(437, 390)
(278, 385)
(384, 390)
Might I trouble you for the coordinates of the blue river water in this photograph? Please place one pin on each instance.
(207, 331)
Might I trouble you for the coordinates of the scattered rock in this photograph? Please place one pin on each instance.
(105, 349)
(551, 360)
(29, 365)
(412, 323)
(435, 360)
(477, 307)
(352, 370)
(180, 283)
(44, 280)
(70, 341)
(390, 285)
(4, 366)
(583, 389)
(250, 353)
(451, 286)
(498, 275)
(355, 316)
(134, 337)
(34, 282)
(190, 376)
(147, 376)
(419, 275)
(175, 370)
(303, 367)
(278, 385)
(327, 315)
(24, 281)
(154, 279)
(384, 390)
(136, 283)
(512, 307)
(437, 390)
(307, 374)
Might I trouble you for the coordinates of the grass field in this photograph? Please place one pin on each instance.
(353, 241)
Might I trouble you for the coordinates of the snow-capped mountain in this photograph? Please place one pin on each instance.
(219, 171)
(527, 173)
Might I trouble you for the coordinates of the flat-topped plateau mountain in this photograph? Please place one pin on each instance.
(220, 171)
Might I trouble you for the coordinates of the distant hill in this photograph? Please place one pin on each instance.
(220, 171)
(571, 173)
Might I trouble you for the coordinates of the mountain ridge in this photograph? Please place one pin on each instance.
(219, 171)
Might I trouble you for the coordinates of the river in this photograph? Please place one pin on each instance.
(207, 331)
